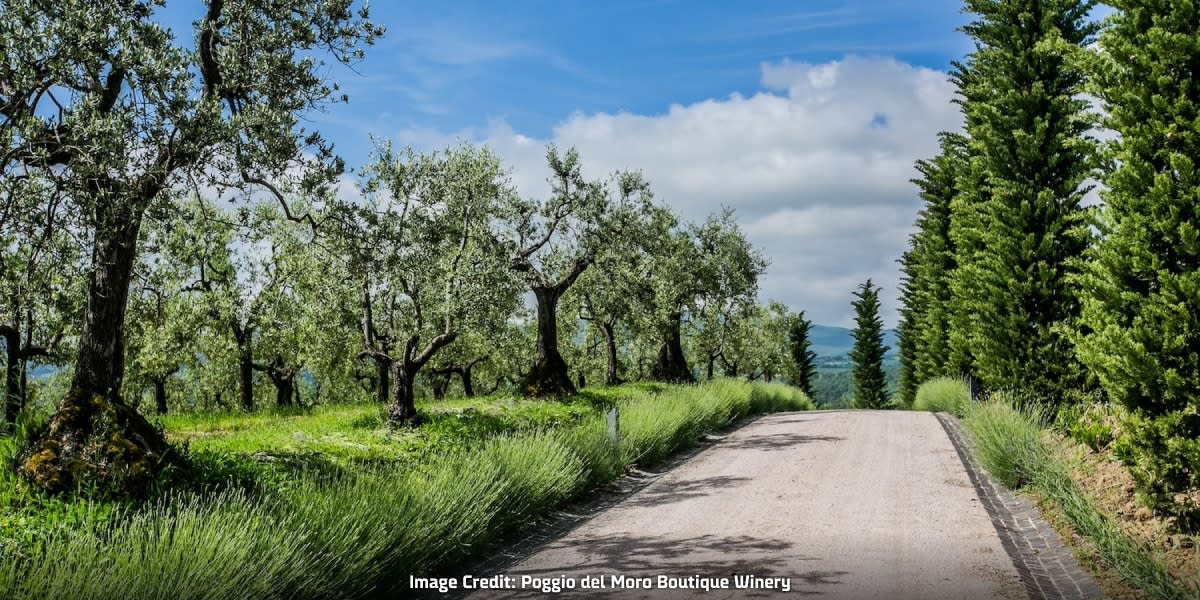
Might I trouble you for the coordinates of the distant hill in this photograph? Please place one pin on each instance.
(836, 341)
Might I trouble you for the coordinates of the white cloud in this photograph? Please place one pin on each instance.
(817, 166)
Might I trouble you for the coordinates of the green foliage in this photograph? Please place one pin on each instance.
(1006, 436)
(423, 260)
(943, 394)
(40, 273)
(832, 388)
(870, 381)
(1161, 454)
(757, 344)
(924, 344)
(1093, 425)
(1017, 224)
(799, 348)
(708, 275)
(1140, 323)
(347, 533)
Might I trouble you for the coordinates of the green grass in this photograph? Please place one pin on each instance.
(943, 394)
(1007, 437)
(357, 431)
(356, 530)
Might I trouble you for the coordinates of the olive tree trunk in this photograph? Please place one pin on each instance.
(549, 376)
(611, 373)
(244, 338)
(95, 436)
(160, 395)
(671, 365)
(14, 394)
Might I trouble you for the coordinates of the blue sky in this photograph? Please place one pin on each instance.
(804, 117)
(458, 66)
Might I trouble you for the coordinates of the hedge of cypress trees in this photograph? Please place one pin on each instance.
(1141, 309)
(925, 286)
(1027, 147)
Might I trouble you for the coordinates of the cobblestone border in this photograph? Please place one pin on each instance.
(1044, 562)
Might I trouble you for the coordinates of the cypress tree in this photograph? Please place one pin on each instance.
(966, 227)
(869, 380)
(1021, 229)
(800, 348)
(926, 266)
(1140, 322)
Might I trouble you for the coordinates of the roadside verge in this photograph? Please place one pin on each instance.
(1045, 563)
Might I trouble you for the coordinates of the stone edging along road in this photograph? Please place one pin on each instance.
(1047, 567)
(843, 504)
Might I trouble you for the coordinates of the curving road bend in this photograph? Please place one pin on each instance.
(841, 504)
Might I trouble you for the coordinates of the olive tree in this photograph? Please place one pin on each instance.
(617, 293)
(705, 266)
(427, 259)
(553, 242)
(40, 283)
(109, 104)
(163, 323)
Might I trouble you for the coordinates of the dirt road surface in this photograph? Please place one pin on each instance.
(841, 504)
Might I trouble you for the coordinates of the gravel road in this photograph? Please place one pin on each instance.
(842, 504)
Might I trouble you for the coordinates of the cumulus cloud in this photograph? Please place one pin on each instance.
(817, 166)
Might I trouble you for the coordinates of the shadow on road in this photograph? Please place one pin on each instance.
(705, 555)
(779, 441)
(666, 492)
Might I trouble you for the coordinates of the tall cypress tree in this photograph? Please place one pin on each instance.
(966, 226)
(800, 348)
(926, 266)
(869, 380)
(1141, 313)
(1021, 227)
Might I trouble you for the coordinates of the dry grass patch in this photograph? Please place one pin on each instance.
(1108, 484)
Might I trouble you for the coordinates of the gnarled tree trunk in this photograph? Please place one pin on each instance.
(403, 371)
(94, 436)
(15, 374)
(712, 362)
(285, 390)
(465, 374)
(439, 383)
(467, 381)
(384, 381)
(549, 376)
(403, 408)
(283, 378)
(671, 365)
(14, 395)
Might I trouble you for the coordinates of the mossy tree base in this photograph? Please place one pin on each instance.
(96, 442)
(403, 415)
(670, 366)
(548, 379)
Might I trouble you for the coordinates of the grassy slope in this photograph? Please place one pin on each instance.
(330, 504)
(1009, 441)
